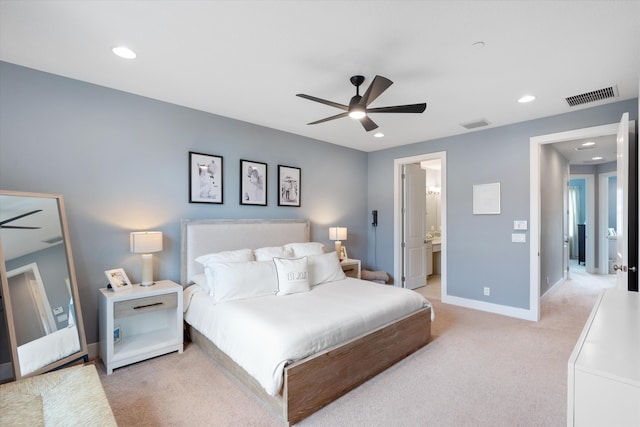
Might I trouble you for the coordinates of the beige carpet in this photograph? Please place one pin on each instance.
(480, 369)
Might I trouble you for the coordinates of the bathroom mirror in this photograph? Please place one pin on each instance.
(44, 328)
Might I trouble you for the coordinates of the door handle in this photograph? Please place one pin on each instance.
(624, 268)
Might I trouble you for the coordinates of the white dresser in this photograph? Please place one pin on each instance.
(604, 368)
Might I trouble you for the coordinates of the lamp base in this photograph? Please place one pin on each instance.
(147, 270)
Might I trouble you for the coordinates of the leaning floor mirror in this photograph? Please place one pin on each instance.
(43, 327)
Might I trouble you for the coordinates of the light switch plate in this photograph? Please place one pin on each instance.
(519, 238)
(520, 225)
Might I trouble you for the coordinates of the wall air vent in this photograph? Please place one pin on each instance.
(476, 124)
(593, 96)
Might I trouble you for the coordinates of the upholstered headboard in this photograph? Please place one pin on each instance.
(204, 236)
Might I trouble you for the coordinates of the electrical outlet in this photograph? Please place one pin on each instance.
(487, 291)
(547, 280)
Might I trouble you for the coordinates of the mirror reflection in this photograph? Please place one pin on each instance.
(38, 289)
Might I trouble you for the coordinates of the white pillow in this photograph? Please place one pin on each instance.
(268, 253)
(240, 255)
(293, 275)
(202, 281)
(305, 249)
(324, 268)
(241, 280)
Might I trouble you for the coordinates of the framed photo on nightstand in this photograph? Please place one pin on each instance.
(118, 280)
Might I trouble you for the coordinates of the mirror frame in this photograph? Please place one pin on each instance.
(8, 308)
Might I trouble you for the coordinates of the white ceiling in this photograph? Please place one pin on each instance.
(247, 59)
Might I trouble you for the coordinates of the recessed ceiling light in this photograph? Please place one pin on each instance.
(588, 144)
(526, 98)
(124, 52)
(378, 135)
(597, 158)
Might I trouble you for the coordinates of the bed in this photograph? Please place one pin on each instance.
(323, 366)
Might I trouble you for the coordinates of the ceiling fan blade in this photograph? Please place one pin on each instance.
(375, 89)
(17, 227)
(368, 124)
(411, 108)
(337, 116)
(323, 101)
(19, 216)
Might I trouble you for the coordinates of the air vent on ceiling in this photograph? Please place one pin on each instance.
(588, 147)
(593, 96)
(53, 240)
(476, 124)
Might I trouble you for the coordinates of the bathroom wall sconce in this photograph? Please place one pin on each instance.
(146, 242)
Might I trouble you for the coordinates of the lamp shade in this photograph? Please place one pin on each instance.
(145, 242)
(338, 233)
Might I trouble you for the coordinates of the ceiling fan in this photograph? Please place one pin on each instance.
(358, 106)
(19, 227)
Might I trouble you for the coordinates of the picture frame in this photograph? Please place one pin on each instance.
(486, 199)
(343, 253)
(253, 183)
(289, 186)
(206, 178)
(117, 335)
(118, 279)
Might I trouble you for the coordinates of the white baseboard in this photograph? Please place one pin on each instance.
(519, 313)
(94, 350)
(554, 287)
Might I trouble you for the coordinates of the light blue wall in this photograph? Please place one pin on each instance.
(553, 177)
(581, 183)
(480, 252)
(121, 163)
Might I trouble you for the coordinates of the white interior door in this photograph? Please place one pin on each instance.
(413, 221)
(622, 203)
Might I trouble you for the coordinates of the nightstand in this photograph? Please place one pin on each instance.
(351, 267)
(140, 323)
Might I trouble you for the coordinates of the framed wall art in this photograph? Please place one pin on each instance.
(253, 183)
(486, 199)
(289, 186)
(205, 178)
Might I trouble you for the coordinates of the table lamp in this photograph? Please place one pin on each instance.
(146, 242)
(338, 234)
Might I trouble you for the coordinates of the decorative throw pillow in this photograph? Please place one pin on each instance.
(305, 249)
(324, 268)
(241, 280)
(268, 253)
(293, 275)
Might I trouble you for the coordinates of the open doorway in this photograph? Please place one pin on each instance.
(540, 244)
(440, 221)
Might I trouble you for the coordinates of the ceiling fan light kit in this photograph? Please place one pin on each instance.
(358, 107)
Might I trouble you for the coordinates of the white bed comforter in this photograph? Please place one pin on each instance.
(48, 349)
(263, 334)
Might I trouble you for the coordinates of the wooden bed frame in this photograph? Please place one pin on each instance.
(319, 379)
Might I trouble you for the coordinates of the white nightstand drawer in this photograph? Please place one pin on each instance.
(144, 305)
